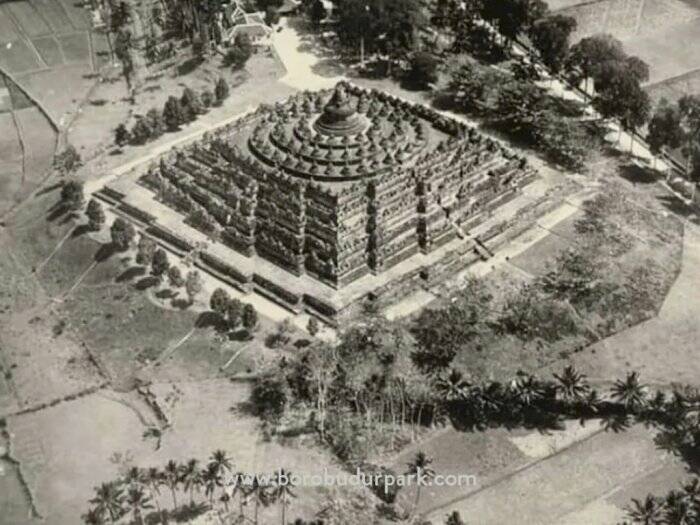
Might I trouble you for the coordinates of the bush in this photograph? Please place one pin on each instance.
(424, 68)
(269, 397)
(238, 54)
(72, 196)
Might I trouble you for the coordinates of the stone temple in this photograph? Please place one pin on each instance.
(343, 188)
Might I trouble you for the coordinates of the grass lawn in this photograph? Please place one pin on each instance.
(76, 47)
(49, 50)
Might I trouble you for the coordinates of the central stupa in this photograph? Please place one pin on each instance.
(339, 117)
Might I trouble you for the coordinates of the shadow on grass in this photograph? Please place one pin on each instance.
(131, 273)
(189, 65)
(105, 252)
(680, 208)
(79, 230)
(57, 211)
(209, 320)
(146, 283)
(48, 189)
(181, 304)
(167, 293)
(637, 174)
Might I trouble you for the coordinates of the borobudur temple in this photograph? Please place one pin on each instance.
(339, 184)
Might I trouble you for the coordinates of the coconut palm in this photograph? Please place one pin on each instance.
(211, 479)
(572, 386)
(281, 491)
(191, 478)
(528, 390)
(259, 493)
(134, 476)
(109, 500)
(154, 479)
(172, 479)
(647, 512)
(138, 501)
(420, 468)
(452, 387)
(222, 461)
(94, 516)
(678, 510)
(630, 392)
(238, 488)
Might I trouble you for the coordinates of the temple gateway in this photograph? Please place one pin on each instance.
(348, 188)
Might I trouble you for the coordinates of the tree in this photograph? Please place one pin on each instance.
(572, 386)
(154, 479)
(590, 55)
(250, 318)
(138, 501)
(191, 478)
(160, 264)
(191, 103)
(93, 516)
(72, 195)
(221, 91)
(95, 214)
(121, 135)
(424, 67)
(630, 392)
(145, 250)
(109, 500)
(219, 302)
(514, 16)
(269, 396)
(647, 512)
(550, 36)
(234, 310)
(281, 491)
(221, 462)
(664, 130)
(207, 99)
(67, 161)
(193, 285)
(173, 113)
(122, 233)
(312, 326)
(173, 477)
(317, 12)
(175, 277)
(239, 53)
(141, 132)
(156, 123)
(259, 493)
(211, 479)
(123, 49)
(689, 110)
(454, 519)
(420, 468)
(272, 17)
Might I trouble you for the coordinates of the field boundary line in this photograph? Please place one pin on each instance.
(509, 475)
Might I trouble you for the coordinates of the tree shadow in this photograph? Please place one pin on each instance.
(130, 273)
(146, 283)
(56, 211)
(166, 293)
(105, 252)
(301, 343)
(79, 230)
(209, 320)
(181, 303)
(636, 174)
(676, 206)
(48, 189)
(189, 65)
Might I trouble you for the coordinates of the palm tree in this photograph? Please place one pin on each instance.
(154, 479)
(528, 390)
(238, 488)
(282, 491)
(211, 479)
(172, 479)
(222, 461)
(134, 476)
(630, 392)
(137, 501)
(191, 478)
(420, 468)
(572, 386)
(258, 492)
(94, 516)
(452, 387)
(109, 500)
(647, 512)
(678, 510)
